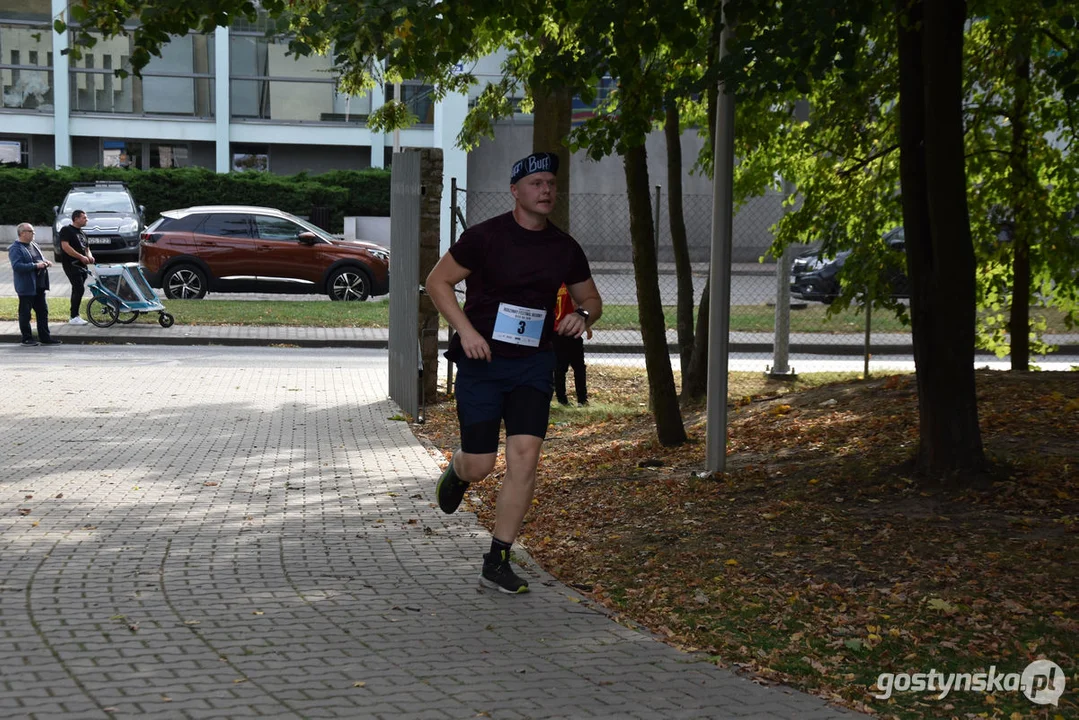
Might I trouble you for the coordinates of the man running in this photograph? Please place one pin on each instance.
(512, 265)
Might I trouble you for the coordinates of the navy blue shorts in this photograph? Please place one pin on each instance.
(515, 390)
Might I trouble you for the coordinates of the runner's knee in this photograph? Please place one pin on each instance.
(471, 467)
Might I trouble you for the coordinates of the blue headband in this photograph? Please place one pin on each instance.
(534, 163)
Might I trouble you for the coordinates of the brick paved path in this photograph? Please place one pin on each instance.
(185, 541)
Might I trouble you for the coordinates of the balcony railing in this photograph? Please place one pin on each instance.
(295, 100)
(160, 94)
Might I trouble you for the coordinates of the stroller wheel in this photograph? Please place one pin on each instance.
(165, 320)
(126, 318)
(101, 312)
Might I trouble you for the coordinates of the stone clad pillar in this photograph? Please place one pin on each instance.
(430, 238)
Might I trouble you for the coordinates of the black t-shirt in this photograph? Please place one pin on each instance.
(518, 267)
(76, 239)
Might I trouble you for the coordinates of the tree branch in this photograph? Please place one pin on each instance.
(862, 163)
(988, 151)
(1056, 38)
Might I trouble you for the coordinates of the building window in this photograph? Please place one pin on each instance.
(144, 154)
(121, 153)
(169, 155)
(268, 84)
(26, 81)
(250, 157)
(419, 99)
(179, 83)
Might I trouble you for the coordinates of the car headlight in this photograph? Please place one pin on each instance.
(382, 255)
(816, 264)
(129, 226)
(62, 223)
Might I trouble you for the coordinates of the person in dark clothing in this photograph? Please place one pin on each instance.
(512, 266)
(30, 271)
(569, 353)
(75, 257)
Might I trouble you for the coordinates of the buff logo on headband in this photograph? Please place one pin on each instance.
(534, 163)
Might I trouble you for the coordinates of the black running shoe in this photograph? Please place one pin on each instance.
(450, 490)
(500, 576)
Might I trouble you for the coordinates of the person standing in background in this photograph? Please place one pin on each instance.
(30, 271)
(569, 353)
(76, 256)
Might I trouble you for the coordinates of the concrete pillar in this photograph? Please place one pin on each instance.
(61, 90)
(431, 226)
(222, 106)
(450, 115)
(378, 140)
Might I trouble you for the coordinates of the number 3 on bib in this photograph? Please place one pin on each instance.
(519, 325)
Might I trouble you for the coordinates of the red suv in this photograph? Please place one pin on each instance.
(232, 248)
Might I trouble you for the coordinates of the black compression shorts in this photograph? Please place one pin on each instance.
(515, 390)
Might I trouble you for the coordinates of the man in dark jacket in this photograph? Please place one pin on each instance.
(31, 275)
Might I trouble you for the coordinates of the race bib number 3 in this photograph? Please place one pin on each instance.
(519, 325)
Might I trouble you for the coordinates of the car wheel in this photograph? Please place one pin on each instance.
(184, 282)
(349, 284)
(102, 312)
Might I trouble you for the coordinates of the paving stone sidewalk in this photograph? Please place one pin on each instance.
(192, 541)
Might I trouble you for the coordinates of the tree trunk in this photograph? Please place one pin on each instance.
(940, 254)
(1019, 322)
(552, 117)
(679, 244)
(657, 360)
(695, 380)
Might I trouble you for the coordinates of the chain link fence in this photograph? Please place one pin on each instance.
(814, 343)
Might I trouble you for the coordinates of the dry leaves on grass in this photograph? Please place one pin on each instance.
(817, 560)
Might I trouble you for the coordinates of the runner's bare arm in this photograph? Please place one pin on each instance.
(585, 295)
(446, 273)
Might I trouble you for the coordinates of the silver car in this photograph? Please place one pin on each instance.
(114, 222)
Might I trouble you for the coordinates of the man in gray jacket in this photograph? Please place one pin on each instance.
(31, 275)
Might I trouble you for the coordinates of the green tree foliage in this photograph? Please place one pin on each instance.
(1008, 104)
(846, 165)
(1022, 120)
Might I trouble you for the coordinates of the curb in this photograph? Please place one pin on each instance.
(381, 344)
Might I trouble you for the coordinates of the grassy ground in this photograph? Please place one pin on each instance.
(323, 313)
(816, 560)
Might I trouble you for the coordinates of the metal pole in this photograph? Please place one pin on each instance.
(781, 346)
(719, 302)
(397, 131)
(453, 210)
(453, 239)
(781, 357)
(868, 323)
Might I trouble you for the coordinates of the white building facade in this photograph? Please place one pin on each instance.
(233, 100)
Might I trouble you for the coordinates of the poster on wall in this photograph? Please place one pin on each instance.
(10, 152)
(250, 161)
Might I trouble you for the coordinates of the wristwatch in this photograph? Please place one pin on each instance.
(583, 313)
